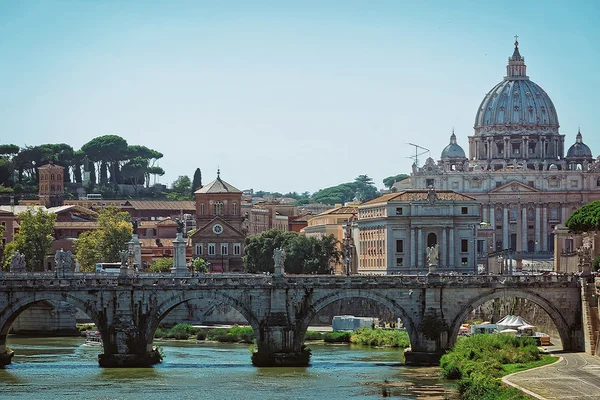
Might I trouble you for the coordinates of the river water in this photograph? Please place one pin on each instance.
(64, 368)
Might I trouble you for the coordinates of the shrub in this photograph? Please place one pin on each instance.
(337, 337)
(381, 337)
(312, 335)
(201, 334)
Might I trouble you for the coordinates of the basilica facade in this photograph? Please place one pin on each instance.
(516, 168)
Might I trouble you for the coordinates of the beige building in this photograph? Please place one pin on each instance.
(331, 222)
(517, 169)
(51, 185)
(396, 229)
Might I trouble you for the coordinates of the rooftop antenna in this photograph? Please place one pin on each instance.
(419, 151)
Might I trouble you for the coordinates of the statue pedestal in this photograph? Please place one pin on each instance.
(179, 262)
(432, 268)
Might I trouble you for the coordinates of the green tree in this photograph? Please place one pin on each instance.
(197, 182)
(180, 189)
(161, 265)
(116, 230)
(104, 244)
(87, 250)
(585, 219)
(134, 172)
(390, 180)
(109, 148)
(304, 254)
(339, 194)
(34, 238)
(199, 264)
(365, 189)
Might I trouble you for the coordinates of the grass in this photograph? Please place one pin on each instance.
(380, 337)
(478, 363)
(235, 334)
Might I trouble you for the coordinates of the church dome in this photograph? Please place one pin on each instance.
(579, 149)
(516, 105)
(453, 151)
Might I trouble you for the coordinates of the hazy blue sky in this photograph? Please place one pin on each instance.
(285, 95)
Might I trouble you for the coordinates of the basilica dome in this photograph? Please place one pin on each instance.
(453, 151)
(579, 150)
(516, 105)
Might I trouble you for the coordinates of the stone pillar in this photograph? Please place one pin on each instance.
(544, 238)
(537, 228)
(505, 242)
(451, 247)
(135, 251)
(279, 341)
(524, 228)
(6, 355)
(444, 249)
(420, 247)
(492, 220)
(565, 214)
(124, 332)
(413, 248)
(179, 261)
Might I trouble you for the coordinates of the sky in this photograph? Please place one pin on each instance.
(285, 95)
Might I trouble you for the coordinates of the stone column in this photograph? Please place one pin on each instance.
(492, 220)
(420, 247)
(135, 250)
(537, 228)
(544, 238)
(505, 242)
(444, 249)
(519, 244)
(524, 228)
(451, 247)
(179, 261)
(565, 214)
(413, 248)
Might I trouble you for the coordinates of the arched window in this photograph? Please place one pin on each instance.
(218, 208)
(58, 177)
(234, 209)
(431, 239)
(201, 208)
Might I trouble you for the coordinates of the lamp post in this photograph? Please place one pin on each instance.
(532, 253)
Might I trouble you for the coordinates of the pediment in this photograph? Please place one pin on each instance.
(515, 187)
(210, 231)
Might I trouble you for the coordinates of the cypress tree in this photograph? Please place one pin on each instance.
(197, 181)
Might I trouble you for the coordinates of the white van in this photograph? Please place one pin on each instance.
(94, 196)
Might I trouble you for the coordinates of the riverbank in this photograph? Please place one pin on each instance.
(479, 362)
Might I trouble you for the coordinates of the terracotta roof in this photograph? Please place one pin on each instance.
(76, 224)
(420, 195)
(151, 243)
(176, 205)
(218, 186)
(341, 210)
(46, 166)
(73, 207)
(147, 224)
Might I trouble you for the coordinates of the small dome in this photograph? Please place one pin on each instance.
(453, 151)
(579, 149)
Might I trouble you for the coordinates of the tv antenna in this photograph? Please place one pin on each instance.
(419, 151)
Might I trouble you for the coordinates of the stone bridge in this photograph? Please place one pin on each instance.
(128, 310)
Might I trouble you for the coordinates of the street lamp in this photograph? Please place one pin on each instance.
(532, 253)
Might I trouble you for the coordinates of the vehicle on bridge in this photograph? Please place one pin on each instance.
(108, 268)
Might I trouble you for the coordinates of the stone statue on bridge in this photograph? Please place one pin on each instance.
(432, 255)
(279, 258)
(124, 256)
(64, 262)
(17, 263)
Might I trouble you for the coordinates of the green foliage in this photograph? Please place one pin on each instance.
(181, 188)
(432, 326)
(596, 263)
(390, 180)
(585, 219)
(381, 337)
(304, 254)
(87, 250)
(104, 244)
(314, 335)
(337, 337)
(161, 265)
(480, 360)
(9, 250)
(235, 334)
(34, 238)
(339, 194)
(199, 264)
(197, 181)
(365, 189)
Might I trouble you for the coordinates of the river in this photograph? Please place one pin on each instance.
(64, 368)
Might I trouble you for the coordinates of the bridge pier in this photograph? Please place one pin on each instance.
(279, 345)
(6, 354)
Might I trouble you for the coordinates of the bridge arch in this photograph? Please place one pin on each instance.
(559, 321)
(9, 314)
(321, 302)
(168, 304)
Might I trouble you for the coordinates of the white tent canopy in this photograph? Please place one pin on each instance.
(511, 322)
